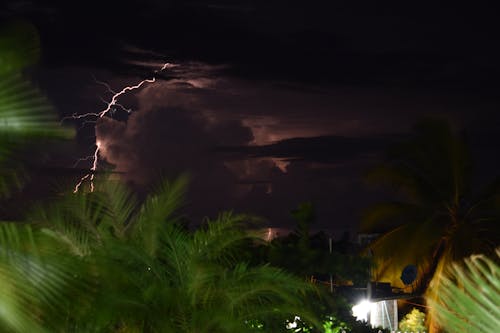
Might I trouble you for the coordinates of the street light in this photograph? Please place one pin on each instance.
(362, 310)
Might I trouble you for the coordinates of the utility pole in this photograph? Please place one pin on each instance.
(331, 276)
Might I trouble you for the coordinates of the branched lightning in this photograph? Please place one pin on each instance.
(110, 108)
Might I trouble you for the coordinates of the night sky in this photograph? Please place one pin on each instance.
(270, 103)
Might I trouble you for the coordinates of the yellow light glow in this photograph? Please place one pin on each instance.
(362, 309)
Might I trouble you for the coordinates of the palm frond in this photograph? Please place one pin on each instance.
(157, 209)
(387, 215)
(38, 281)
(74, 220)
(467, 296)
(219, 240)
(119, 206)
(413, 242)
(432, 166)
(25, 113)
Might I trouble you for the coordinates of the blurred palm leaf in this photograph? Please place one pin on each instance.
(469, 296)
(156, 211)
(19, 47)
(25, 114)
(38, 279)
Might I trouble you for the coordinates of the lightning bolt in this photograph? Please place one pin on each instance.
(110, 108)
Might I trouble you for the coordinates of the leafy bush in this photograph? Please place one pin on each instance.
(413, 322)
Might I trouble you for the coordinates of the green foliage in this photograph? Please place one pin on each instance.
(330, 324)
(316, 260)
(308, 255)
(469, 296)
(150, 274)
(19, 47)
(413, 321)
(333, 325)
(38, 279)
(25, 114)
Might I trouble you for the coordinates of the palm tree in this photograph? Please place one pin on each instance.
(436, 218)
(462, 308)
(152, 275)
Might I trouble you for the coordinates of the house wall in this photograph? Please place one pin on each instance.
(385, 314)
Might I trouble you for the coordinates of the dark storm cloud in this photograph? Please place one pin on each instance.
(290, 141)
(305, 93)
(177, 125)
(325, 149)
(432, 48)
(178, 140)
(171, 141)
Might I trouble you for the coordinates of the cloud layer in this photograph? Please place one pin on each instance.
(253, 146)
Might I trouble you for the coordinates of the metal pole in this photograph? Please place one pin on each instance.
(395, 305)
(331, 277)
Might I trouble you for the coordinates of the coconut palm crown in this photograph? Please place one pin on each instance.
(436, 217)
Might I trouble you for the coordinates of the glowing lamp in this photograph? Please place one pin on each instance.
(362, 309)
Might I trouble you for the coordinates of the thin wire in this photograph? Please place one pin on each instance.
(424, 306)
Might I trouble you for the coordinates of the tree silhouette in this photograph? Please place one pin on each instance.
(437, 218)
